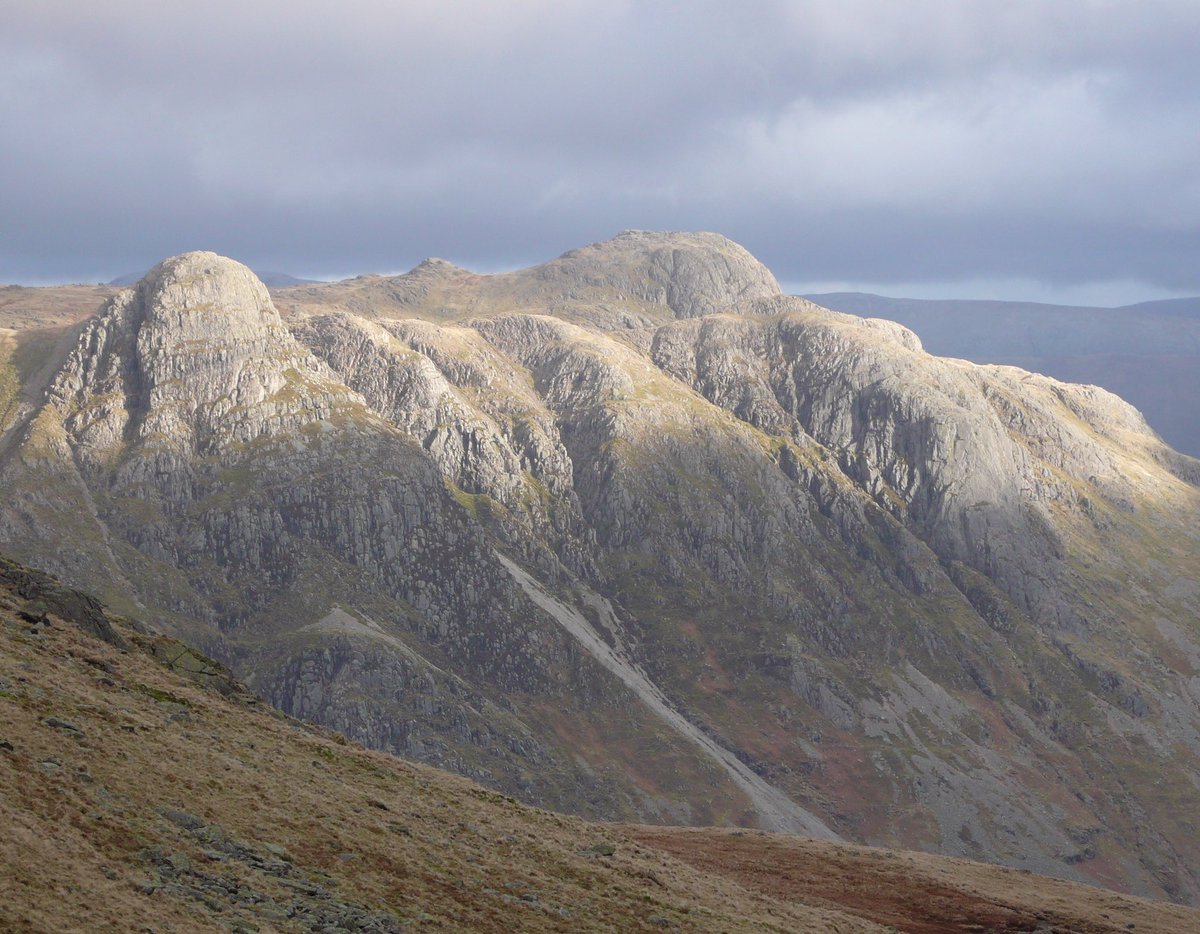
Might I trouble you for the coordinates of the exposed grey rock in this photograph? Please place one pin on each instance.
(57, 724)
(182, 818)
(692, 274)
(52, 597)
(971, 456)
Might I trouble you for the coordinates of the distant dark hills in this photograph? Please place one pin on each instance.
(1148, 353)
(272, 280)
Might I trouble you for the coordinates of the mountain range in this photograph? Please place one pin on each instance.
(274, 280)
(633, 535)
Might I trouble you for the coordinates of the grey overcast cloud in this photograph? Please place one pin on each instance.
(1045, 149)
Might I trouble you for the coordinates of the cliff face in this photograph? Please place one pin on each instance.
(632, 534)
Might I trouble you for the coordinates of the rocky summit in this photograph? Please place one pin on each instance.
(634, 535)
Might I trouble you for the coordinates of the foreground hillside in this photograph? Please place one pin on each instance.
(142, 788)
(630, 534)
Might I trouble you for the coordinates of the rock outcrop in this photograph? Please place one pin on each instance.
(637, 279)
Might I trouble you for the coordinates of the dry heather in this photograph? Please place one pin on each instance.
(142, 789)
(25, 308)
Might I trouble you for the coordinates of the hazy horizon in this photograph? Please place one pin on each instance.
(1090, 295)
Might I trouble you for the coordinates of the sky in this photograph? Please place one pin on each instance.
(1024, 149)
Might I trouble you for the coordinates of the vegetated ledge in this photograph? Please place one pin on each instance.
(140, 785)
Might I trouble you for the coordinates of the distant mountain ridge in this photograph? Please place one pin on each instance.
(1184, 307)
(1148, 353)
(272, 280)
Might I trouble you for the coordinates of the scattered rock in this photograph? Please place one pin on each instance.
(307, 888)
(179, 862)
(182, 818)
(57, 724)
(179, 715)
(101, 664)
(276, 850)
(34, 612)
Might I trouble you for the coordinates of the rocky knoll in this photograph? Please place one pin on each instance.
(637, 278)
(199, 361)
(632, 534)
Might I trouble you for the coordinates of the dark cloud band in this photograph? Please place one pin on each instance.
(849, 140)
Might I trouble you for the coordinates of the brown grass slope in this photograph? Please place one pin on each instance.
(25, 308)
(142, 789)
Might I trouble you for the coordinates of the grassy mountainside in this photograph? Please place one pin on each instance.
(141, 786)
